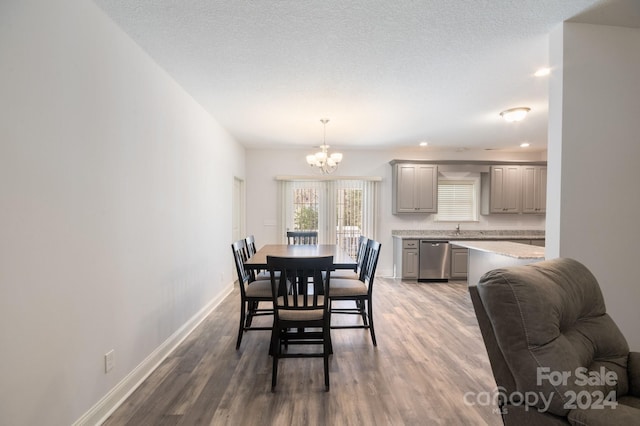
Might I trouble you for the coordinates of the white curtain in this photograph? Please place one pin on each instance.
(370, 209)
(285, 208)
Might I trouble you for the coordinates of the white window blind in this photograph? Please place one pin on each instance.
(457, 201)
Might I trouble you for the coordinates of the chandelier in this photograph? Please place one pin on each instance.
(321, 160)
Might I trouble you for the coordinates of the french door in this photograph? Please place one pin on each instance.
(340, 210)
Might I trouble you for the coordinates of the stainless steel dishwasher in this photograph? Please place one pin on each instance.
(435, 263)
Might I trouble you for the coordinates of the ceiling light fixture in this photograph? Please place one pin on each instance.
(524, 145)
(515, 114)
(321, 160)
(424, 143)
(542, 72)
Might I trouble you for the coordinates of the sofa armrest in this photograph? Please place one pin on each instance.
(633, 369)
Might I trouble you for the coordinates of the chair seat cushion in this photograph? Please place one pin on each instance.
(265, 275)
(347, 287)
(347, 274)
(300, 315)
(259, 288)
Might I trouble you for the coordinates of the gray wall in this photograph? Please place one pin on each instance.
(594, 149)
(112, 230)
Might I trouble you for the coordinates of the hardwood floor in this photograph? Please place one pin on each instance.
(429, 354)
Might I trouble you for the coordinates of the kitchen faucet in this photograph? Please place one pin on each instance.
(458, 229)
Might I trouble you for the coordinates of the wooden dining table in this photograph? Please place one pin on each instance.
(341, 259)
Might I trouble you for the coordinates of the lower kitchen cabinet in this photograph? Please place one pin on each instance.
(410, 259)
(406, 257)
(459, 259)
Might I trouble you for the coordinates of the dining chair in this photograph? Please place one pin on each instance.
(301, 309)
(252, 292)
(359, 291)
(356, 273)
(302, 237)
(251, 250)
(250, 242)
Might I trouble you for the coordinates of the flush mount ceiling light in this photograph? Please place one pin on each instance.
(542, 72)
(424, 143)
(321, 160)
(515, 114)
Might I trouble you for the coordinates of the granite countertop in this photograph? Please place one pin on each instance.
(504, 248)
(468, 235)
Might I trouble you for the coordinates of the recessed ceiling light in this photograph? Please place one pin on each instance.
(515, 114)
(542, 72)
(424, 143)
(524, 144)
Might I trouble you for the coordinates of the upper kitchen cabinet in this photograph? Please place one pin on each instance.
(415, 188)
(506, 189)
(534, 189)
(515, 189)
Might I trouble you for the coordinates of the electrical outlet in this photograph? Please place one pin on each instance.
(108, 361)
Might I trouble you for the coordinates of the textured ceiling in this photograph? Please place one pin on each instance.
(386, 73)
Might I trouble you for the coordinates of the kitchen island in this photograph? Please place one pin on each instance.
(485, 256)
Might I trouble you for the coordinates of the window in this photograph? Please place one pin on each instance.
(340, 210)
(305, 209)
(457, 200)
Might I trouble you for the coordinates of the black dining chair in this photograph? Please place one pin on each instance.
(252, 292)
(359, 291)
(301, 309)
(251, 250)
(250, 242)
(302, 237)
(354, 274)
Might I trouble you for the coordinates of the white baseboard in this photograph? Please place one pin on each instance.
(116, 396)
(384, 273)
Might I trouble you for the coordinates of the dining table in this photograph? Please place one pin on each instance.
(341, 259)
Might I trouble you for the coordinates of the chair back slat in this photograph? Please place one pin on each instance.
(361, 255)
(240, 257)
(251, 245)
(371, 262)
(303, 283)
(302, 237)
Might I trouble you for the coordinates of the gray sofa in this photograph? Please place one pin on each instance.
(557, 356)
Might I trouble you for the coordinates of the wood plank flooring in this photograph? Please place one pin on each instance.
(430, 353)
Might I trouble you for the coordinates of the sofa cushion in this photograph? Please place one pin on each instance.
(620, 415)
(550, 323)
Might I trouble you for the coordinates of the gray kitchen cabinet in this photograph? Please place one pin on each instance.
(415, 188)
(410, 259)
(459, 259)
(505, 189)
(534, 189)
